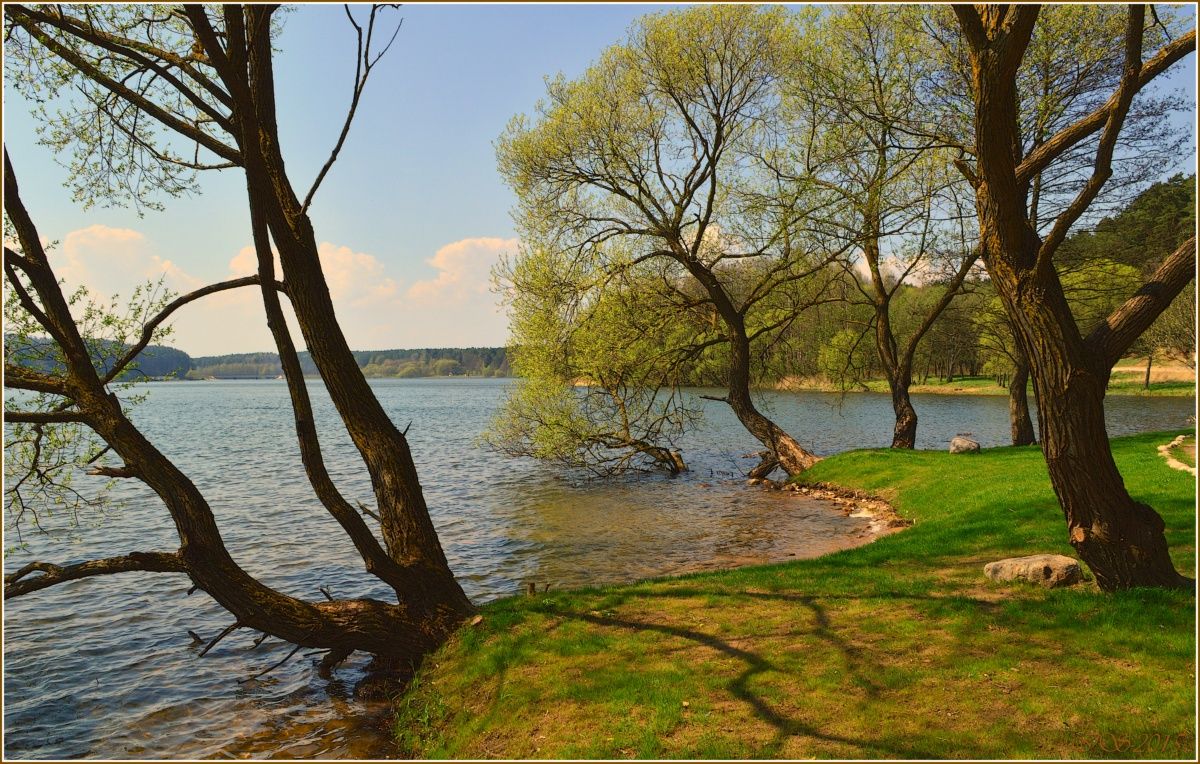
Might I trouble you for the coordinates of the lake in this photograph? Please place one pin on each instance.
(104, 668)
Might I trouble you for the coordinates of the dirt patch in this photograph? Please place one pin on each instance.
(854, 503)
(1159, 372)
(1184, 445)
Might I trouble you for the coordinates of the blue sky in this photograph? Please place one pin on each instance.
(412, 216)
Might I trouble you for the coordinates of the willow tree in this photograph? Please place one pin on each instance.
(1121, 539)
(601, 360)
(164, 92)
(655, 157)
(861, 131)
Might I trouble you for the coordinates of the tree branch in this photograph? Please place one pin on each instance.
(1115, 334)
(45, 417)
(171, 307)
(21, 17)
(17, 584)
(21, 378)
(1064, 139)
(1102, 167)
(362, 71)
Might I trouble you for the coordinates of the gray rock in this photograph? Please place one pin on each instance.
(1049, 570)
(961, 445)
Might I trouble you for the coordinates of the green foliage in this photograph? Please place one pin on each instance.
(846, 360)
(44, 460)
(601, 363)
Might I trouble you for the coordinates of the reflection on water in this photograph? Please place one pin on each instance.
(104, 668)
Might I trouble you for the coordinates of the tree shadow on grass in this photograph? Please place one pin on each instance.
(785, 727)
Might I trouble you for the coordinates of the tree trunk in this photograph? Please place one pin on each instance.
(1149, 360)
(1018, 406)
(408, 532)
(792, 457)
(905, 433)
(1120, 539)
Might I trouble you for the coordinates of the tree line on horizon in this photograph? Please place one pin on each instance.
(401, 363)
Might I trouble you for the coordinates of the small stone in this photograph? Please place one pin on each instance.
(961, 445)
(686, 704)
(1049, 570)
(477, 620)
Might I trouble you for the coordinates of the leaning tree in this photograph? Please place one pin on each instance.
(654, 159)
(164, 92)
(1122, 540)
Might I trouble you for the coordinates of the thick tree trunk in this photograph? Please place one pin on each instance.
(408, 532)
(1018, 406)
(793, 457)
(1120, 539)
(905, 433)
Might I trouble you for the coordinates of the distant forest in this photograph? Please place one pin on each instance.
(41, 354)
(423, 362)
(160, 361)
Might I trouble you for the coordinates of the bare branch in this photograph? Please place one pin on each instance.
(18, 583)
(1116, 333)
(1064, 139)
(171, 307)
(45, 417)
(362, 71)
(228, 630)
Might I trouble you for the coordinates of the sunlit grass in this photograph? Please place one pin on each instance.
(899, 649)
(1120, 384)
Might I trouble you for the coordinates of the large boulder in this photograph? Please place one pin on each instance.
(1049, 570)
(961, 445)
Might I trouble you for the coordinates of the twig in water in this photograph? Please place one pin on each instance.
(229, 630)
(271, 668)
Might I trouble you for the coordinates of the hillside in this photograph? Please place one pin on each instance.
(420, 362)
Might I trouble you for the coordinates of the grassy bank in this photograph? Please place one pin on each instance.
(1121, 384)
(899, 649)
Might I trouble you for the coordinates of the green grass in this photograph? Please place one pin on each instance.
(898, 649)
(1119, 385)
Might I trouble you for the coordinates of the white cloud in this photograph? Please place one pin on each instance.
(464, 271)
(454, 308)
(113, 261)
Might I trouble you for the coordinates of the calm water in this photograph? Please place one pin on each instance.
(104, 668)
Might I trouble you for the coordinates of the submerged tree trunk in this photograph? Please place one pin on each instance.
(792, 457)
(1018, 405)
